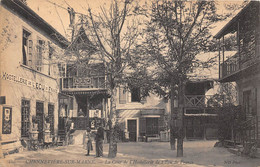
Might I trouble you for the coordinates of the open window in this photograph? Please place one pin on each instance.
(27, 48)
(135, 95)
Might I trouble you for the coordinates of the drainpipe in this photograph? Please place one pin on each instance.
(219, 57)
(223, 47)
(238, 45)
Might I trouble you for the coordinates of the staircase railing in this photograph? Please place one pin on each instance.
(247, 131)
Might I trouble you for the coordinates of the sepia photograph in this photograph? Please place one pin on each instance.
(129, 83)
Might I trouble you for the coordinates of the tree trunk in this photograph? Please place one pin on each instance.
(112, 116)
(180, 130)
(172, 140)
(172, 134)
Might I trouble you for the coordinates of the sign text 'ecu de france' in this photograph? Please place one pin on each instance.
(27, 82)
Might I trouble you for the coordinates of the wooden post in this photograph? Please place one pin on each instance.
(223, 49)
(219, 57)
(238, 45)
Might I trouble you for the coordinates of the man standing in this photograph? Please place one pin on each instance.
(99, 141)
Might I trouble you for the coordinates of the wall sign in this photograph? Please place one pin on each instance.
(82, 81)
(27, 82)
(7, 120)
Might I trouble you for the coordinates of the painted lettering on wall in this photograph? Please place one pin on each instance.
(30, 83)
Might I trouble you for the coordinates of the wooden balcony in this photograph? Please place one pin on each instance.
(202, 101)
(82, 83)
(229, 67)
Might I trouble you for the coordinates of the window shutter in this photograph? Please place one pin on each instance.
(254, 101)
(122, 95)
(142, 125)
(30, 53)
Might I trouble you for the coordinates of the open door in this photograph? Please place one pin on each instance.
(132, 129)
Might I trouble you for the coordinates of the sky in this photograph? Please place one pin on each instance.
(55, 13)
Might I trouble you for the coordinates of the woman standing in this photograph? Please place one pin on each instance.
(87, 141)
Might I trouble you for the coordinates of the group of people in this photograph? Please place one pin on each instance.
(99, 137)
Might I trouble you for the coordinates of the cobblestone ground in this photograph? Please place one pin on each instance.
(196, 153)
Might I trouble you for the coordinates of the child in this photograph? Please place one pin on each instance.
(87, 141)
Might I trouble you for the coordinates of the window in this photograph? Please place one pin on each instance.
(40, 50)
(27, 48)
(135, 92)
(62, 70)
(51, 117)
(51, 50)
(39, 117)
(247, 102)
(25, 118)
(122, 95)
(152, 126)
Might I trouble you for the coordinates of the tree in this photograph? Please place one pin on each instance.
(114, 41)
(175, 33)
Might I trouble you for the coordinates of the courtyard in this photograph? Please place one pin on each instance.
(196, 153)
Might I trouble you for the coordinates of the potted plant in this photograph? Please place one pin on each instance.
(34, 123)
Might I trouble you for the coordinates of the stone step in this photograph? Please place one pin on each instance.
(234, 151)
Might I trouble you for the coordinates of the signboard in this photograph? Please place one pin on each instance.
(27, 82)
(82, 81)
(95, 113)
(95, 122)
(7, 120)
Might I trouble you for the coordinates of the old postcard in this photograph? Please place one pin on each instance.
(129, 83)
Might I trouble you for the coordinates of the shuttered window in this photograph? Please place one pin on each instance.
(27, 48)
(39, 55)
(254, 101)
(122, 95)
(247, 102)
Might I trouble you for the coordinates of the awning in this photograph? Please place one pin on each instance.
(152, 111)
(151, 116)
(85, 92)
(200, 115)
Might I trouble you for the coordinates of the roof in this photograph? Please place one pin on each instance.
(82, 41)
(27, 13)
(231, 25)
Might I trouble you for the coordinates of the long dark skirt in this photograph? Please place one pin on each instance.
(99, 148)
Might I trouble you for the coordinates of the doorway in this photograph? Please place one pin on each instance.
(39, 117)
(132, 129)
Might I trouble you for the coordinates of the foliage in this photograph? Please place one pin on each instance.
(114, 40)
(229, 118)
(175, 33)
(230, 44)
